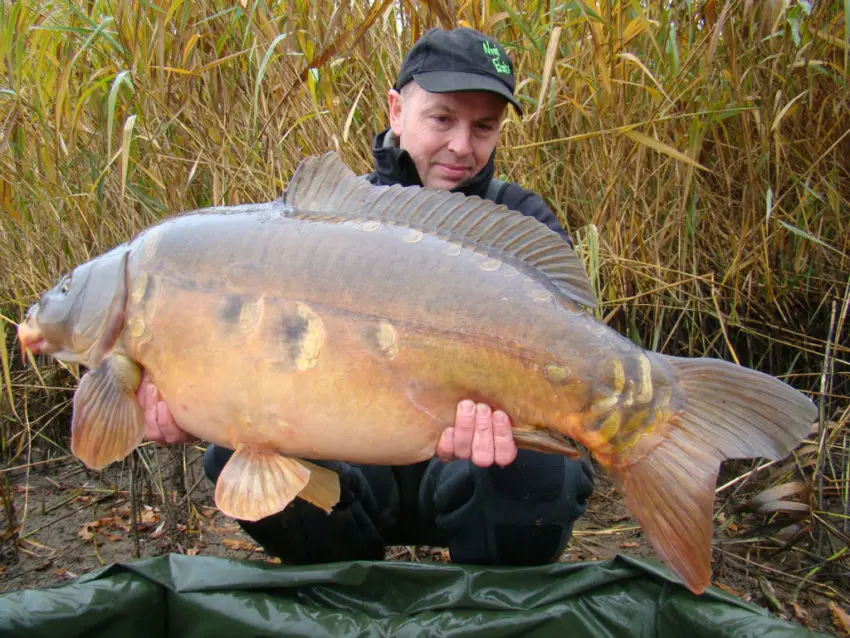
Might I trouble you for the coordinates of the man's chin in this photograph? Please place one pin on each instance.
(443, 183)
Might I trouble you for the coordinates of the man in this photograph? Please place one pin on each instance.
(489, 503)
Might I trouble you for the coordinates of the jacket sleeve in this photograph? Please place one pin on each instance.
(528, 203)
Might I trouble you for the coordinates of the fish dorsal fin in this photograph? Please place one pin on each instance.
(326, 185)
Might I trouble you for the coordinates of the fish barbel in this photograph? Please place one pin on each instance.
(345, 321)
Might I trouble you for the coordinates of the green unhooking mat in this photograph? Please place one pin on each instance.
(190, 596)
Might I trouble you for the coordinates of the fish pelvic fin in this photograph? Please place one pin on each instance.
(322, 490)
(108, 422)
(257, 482)
(730, 412)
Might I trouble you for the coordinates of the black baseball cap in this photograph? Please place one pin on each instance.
(459, 60)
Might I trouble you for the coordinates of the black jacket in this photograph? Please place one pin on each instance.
(394, 166)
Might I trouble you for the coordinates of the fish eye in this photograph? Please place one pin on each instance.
(64, 285)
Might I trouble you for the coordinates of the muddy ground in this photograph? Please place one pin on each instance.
(70, 521)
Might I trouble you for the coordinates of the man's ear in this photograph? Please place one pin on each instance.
(395, 104)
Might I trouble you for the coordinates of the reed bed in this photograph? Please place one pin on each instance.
(697, 151)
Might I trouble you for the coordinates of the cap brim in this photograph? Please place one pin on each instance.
(449, 82)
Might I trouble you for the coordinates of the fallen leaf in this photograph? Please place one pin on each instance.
(88, 530)
(236, 544)
(115, 521)
(119, 522)
(840, 618)
(65, 573)
(801, 614)
(122, 511)
(159, 531)
(274, 560)
(728, 589)
(192, 551)
(792, 531)
(149, 515)
(224, 529)
(774, 499)
(629, 545)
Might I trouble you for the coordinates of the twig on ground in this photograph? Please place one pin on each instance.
(825, 386)
(797, 579)
(133, 507)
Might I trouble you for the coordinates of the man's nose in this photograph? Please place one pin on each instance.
(460, 142)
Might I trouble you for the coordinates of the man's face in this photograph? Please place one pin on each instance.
(449, 136)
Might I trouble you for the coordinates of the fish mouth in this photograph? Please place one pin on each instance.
(31, 339)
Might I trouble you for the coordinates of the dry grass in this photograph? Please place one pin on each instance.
(698, 151)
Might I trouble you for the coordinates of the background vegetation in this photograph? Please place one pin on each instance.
(698, 150)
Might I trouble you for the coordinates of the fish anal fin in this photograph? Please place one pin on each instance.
(257, 482)
(671, 493)
(543, 440)
(322, 489)
(107, 422)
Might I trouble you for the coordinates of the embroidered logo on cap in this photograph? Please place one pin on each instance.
(496, 58)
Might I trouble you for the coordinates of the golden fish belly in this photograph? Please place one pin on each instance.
(350, 364)
(332, 386)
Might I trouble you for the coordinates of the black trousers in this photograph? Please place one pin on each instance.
(522, 514)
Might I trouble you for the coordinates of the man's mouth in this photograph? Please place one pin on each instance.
(454, 171)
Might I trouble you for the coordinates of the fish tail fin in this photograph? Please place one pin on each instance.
(730, 412)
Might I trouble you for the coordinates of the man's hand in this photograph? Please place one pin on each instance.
(159, 423)
(479, 434)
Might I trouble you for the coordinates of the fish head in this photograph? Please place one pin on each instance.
(79, 319)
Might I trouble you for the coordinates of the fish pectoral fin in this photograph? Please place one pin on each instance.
(257, 482)
(108, 422)
(322, 490)
(543, 440)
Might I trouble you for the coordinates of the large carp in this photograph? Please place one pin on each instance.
(345, 321)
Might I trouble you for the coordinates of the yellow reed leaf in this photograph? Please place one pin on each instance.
(126, 140)
(661, 147)
(551, 51)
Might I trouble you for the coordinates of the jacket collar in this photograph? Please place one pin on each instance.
(394, 165)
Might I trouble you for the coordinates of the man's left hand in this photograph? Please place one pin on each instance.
(479, 434)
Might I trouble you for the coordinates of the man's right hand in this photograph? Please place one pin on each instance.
(159, 423)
